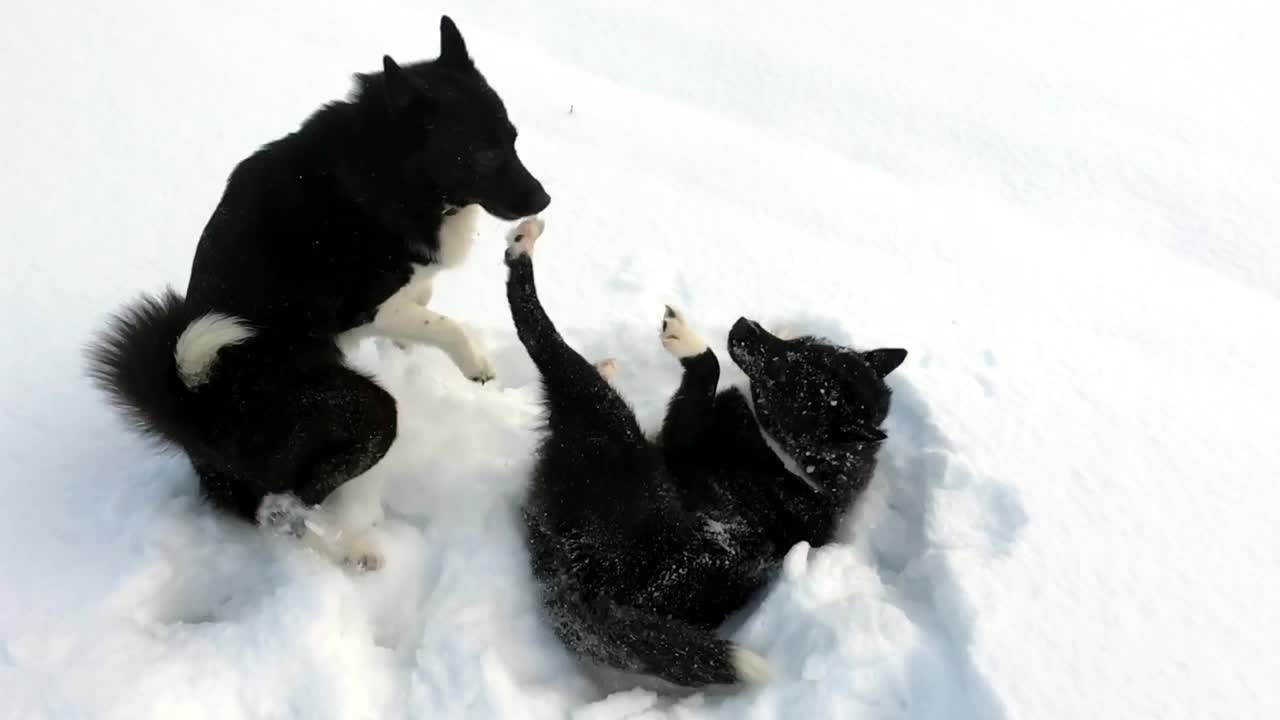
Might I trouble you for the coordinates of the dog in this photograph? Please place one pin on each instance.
(643, 548)
(326, 236)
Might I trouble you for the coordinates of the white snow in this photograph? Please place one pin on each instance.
(1067, 211)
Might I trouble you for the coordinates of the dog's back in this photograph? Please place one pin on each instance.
(288, 248)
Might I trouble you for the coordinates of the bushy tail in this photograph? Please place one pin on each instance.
(154, 355)
(638, 641)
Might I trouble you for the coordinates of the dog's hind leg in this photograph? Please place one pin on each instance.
(353, 426)
(328, 424)
(576, 390)
(692, 408)
(226, 491)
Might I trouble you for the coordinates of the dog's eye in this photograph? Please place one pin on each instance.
(488, 159)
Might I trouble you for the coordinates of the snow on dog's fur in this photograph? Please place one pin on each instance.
(328, 235)
(643, 549)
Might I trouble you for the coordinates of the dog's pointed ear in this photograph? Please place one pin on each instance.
(884, 360)
(453, 49)
(396, 85)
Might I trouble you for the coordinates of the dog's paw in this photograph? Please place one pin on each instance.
(607, 368)
(481, 370)
(353, 551)
(484, 376)
(521, 238)
(362, 555)
(677, 338)
(283, 514)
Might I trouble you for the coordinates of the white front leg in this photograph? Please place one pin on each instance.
(402, 319)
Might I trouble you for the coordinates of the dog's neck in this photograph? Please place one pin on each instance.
(416, 219)
(455, 237)
(417, 223)
(818, 467)
(784, 454)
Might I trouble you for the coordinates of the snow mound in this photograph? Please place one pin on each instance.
(214, 619)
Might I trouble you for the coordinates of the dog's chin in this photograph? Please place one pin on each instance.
(504, 213)
(520, 209)
(746, 343)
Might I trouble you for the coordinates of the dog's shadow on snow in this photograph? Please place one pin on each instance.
(936, 505)
(928, 504)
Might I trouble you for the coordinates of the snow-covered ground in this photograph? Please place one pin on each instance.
(1069, 212)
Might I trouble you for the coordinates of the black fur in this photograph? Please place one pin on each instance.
(643, 549)
(313, 233)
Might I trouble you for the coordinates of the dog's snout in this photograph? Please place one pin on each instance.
(526, 191)
(538, 200)
(745, 328)
(531, 199)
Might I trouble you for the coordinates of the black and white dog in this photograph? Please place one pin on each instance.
(643, 549)
(325, 236)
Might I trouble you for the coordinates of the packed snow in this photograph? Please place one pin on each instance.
(1067, 212)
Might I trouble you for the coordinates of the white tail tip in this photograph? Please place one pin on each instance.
(750, 667)
(198, 345)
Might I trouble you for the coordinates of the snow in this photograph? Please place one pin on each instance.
(1066, 211)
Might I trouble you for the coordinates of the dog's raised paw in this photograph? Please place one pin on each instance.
(521, 238)
(678, 338)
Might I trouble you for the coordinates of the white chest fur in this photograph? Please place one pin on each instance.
(457, 235)
(788, 462)
(401, 310)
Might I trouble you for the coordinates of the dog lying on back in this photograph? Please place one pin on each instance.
(642, 549)
(326, 236)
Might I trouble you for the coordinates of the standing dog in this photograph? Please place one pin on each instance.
(643, 549)
(328, 235)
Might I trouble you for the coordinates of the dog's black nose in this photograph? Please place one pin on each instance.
(745, 328)
(539, 200)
